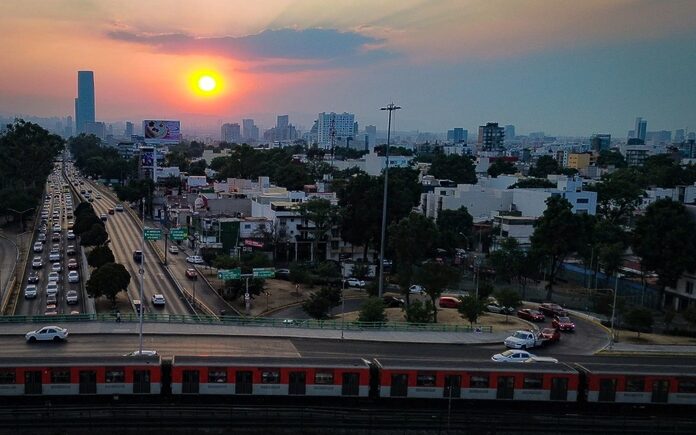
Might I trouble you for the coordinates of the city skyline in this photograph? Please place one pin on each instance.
(559, 67)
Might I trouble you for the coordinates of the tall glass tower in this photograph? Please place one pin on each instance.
(84, 103)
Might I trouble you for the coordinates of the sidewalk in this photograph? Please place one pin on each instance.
(654, 349)
(91, 328)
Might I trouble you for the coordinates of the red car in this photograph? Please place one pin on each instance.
(550, 335)
(72, 264)
(563, 323)
(531, 315)
(449, 302)
(191, 273)
(552, 309)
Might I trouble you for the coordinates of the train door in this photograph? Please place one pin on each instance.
(190, 381)
(298, 383)
(399, 385)
(141, 381)
(607, 390)
(453, 386)
(660, 391)
(506, 387)
(243, 382)
(32, 382)
(350, 384)
(559, 388)
(88, 382)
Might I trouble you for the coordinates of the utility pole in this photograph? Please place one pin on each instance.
(390, 108)
(142, 281)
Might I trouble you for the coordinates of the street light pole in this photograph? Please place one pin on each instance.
(613, 311)
(390, 108)
(343, 303)
(142, 281)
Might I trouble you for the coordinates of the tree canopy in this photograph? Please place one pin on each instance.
(108, 280)
(459, 169)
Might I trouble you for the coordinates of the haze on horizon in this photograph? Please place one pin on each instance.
(561, 66)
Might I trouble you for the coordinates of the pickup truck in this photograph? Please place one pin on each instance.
(524, 340)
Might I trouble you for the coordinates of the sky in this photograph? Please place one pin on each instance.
(565, 67)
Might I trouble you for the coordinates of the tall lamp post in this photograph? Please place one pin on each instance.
(390, 108)
(142, 282)
(613, 310)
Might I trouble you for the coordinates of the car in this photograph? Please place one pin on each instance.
(33, 278)
(71, 224)
(158, 300)
(393, 301)
(54, 276)
(138, 256)
(51, 300)
(142, 353)
(56, 267)
(282, 273)
(103, 217)
(354, 282)
(110, 211)
(73, 276)
(72, 264)
(449, 302)
(97, 196)
(38, 247)
(531, 315)
(194, 259)
(416, 289)
(563, 323)
(41, 238)
(54, 255)
(173, 249)
(47, 333)
(70, 250)
(118, 207)
(550, 335)
(550, 309)
(191, 273)
(521, 356)
(137, 305)
(71, 235)
(71, 297)
(37, 262)
(494, 307)
(30, 291)
(55, 237)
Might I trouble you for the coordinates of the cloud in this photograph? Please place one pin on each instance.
(290, 49)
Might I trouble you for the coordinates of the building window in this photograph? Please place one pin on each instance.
(217, 376)
(635, 385)
(479, 381)
(425, 380)
(8, 376)
(247, 226)
(60, 376)
(324, 378)
(533, 382)
(270, 377)
(583, 200)
(115, 376)
(689, 288)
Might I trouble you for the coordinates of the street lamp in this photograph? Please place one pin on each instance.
(142, 282)
(390, 108)
(613, 310)
(343, 303)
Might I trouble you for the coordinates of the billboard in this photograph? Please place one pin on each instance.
(147, 158)
(161, 132)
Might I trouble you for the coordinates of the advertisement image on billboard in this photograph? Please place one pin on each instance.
(147, 157)
(161, 132)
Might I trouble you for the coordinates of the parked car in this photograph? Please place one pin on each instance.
(37, 262)
(30, 291)
(449, 302)
(73, 276)
(494, 307)
(393, 301)
(282, 273)
(173, 249)
(158, 300)
(416, 289)
(71, 297)
(191, 273)
(47, 333)
(194, 259)
(550, 335)
(550, 309)
(563, 323)
(354, 282)
(531, 315)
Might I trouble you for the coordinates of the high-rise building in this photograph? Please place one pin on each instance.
(640, 129)
(129, 130)
(338, 126)
(509, 132)
(282, 122)
(679, 135)
(600, 142)
(249, 130)
(457, 135)
(490, 136)
(96, 128)
(231, 132)
(84, 103)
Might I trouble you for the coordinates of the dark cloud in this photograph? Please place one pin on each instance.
(316, 47)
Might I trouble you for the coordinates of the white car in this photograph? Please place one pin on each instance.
(71, 297)
(30, 291)
(523, 340)
(47, 333)
(521, 356)
(54, 276)
(52, 288)
(37, 262)
(142, 353)
(56, 267)
(354, 282)
(73, 276)
(495, 308)
(54, 256)
(173, 249)
(158, 300)
(38, 247)
(195, 259)
(118, 207)
(416, 289)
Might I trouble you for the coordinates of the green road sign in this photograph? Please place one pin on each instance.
(226, 274)
(178, 234)
(264, 272)
(153, 233)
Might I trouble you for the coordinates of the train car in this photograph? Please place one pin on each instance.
(624, 383)
(263, 376)
(73, 376)
(477, 380)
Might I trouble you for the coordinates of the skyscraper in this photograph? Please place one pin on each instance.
(457, 135)
(129, 130)
(490, 136)
(640, 129)
(509, 132)
(600, 142)
(84, 103)
(231, 132)
(249, 129)
(337, 125)
(282, 122)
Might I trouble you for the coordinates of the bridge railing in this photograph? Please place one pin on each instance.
(249, 321)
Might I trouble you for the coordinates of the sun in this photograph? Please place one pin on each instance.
(206, 83)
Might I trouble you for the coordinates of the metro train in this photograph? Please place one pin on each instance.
(380, 379)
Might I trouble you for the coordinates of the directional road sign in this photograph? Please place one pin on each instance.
(178, 233)
(226, 274)
(264, 272)
(153, 233)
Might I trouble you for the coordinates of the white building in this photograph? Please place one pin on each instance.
(374, 163)
(519, 228)
(680, 297)
(342, 124)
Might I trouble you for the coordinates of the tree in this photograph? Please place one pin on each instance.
(435, 277)
(557, 234)
(96, 236)
(500, 166)
(533, 183)
(323, 216)
(640, 319)
(665, 240)
(108, 280)
(360, 218)
(459, 169)
(514, 263)
(372, 310)
(292, 176)
(84, 223)
(689, 315)
(99, 256)
(618, 195)
(611, 158)
(544, 166)
(454, 228)
(471, 308)
(419, 312)
(320, 303)
(509, 299)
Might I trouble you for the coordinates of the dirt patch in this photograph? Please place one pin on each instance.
(649, 339)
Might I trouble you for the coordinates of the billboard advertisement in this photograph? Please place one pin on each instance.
(147, 158)
(161, 132)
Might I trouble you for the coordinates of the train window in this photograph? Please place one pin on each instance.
(634, 385)
(8, 376)
(425, 380)
(217, 376)
(270, 377)
(479, 381)
(324, 378)
(60, 376)
(687, 386)
(533, 382)
(115, 376)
